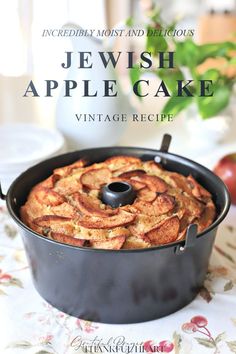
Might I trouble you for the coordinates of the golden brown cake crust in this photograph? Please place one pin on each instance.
(66, 207)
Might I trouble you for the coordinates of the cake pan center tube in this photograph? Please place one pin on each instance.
(118, 193)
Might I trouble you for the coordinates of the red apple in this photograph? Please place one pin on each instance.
(226, 170)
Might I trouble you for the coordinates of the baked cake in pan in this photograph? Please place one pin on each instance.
(67, 206)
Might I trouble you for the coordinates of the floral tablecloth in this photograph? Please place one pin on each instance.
(29, 325)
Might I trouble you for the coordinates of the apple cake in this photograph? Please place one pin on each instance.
(67, 206)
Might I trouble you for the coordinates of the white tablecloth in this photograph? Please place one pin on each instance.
(29, 325)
